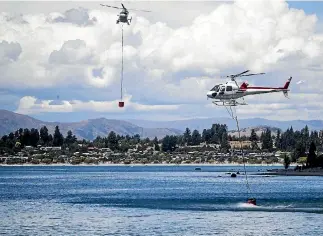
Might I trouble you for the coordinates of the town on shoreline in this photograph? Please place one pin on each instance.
(213, 147)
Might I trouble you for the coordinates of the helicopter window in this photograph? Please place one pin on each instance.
(229, 88)
(215, 88)
(222, 89)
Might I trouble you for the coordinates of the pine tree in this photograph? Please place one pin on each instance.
(278, 140)
(70, 138)
(224, 142)
(112, 141)
(26, 138)
(58, 138)
(44, 137)
(253, 138)
(196, 137)
(311, 157)
(267, 142)
(187, 137)
(204, 135)
(169, 143)
(305, 135)
(50, 140)
(286, 161)
(34, 137)
(156, 146)
(299, 151)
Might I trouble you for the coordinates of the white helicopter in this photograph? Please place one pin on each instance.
(228, 93)
(123, 17)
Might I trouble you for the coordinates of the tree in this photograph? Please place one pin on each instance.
(320, 160)
(169, 143)
(305, 136)
(196, 138)
(147, 140)
(225, 146)
(50, 139)
(286, 161)
(44, 137)
(34, 137)
(311, 157)
(267, 142)
(253, 138)
(180, 140)
(124, 146)
(299, 151)
(70, 138)
(156, 146)
(26, 138)
(112, 141)
(136, 138)
(58, 138)
(206, 136)
(278, 140)
(187, 136)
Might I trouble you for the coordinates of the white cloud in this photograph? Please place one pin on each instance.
(79, 17)
(9, 52)
(31, 105)
(163, 64)
(72, 52)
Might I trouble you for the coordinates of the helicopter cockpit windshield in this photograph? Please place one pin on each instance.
(215, 88)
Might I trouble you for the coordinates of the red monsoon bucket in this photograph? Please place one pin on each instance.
(121, 104)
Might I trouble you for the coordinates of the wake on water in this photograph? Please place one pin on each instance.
(246, 205)
(277, 208)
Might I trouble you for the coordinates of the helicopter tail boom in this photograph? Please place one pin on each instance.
(287, 83)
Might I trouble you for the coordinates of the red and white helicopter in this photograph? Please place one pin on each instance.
(228, 93)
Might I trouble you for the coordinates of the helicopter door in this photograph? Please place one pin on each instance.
(222, 89)
(229, 90)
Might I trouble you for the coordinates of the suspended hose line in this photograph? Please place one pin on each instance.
(121, 61)
(235, 117)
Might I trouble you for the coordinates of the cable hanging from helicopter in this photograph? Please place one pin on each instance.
(123, 18)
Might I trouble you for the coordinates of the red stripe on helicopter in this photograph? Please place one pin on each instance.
(263, 88)
(244, 86)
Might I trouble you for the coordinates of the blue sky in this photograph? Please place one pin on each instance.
(170, 62)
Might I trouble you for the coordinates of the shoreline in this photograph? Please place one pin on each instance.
(159, 164)
(293, 173)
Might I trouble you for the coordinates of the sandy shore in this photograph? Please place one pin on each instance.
(111, 164)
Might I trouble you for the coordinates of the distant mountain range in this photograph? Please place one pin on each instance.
(90, 129)
(206, 123)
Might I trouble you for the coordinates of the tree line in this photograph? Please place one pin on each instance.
(297, 142)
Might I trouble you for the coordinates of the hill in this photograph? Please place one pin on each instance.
(90, 129)
(206, 123)
(87, 129)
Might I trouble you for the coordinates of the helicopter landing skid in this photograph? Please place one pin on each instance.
(228, 103)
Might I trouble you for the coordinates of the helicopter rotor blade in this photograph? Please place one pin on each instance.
(240, 75)
(138, 10)
(110, 6)
(123, 6)
(254, 74)
(237, 75)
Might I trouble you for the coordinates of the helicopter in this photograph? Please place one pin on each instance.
(228, 93)
(123, 17)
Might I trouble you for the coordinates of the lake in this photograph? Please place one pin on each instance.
(156, 200)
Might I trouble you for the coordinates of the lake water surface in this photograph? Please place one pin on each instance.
(156, 200)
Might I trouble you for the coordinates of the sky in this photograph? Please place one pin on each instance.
(61, 61)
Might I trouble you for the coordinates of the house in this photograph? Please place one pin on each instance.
(237, 145)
